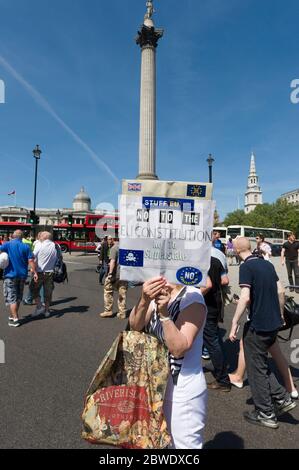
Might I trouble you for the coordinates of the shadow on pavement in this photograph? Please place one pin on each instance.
(75, 309)
(56, 314)
(249, 401)
(225, 440)
(63, 301)
(288, 418)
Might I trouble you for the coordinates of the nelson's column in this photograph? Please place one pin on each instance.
(148, 39)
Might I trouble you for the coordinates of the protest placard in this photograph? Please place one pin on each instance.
(165, 229)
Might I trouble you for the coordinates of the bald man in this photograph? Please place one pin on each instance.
(15, 274)
(263, 294)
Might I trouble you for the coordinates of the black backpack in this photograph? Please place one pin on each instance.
(291, 316)
(60, 270)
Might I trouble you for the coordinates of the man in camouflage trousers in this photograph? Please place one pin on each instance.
(112, 282)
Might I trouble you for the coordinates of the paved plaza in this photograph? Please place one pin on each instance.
(50, 362)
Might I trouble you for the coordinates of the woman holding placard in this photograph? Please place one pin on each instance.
(176, 316)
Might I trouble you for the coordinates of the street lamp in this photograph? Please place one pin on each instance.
(36, 154)
(210, 161)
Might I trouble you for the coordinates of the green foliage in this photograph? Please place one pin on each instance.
(237, 217)
(277, 215)
(216, 218)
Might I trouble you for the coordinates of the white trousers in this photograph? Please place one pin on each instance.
(186, 421)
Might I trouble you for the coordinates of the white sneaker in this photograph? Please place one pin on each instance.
(237, 384)
(14, 322)
(47, 313)
(38, 311)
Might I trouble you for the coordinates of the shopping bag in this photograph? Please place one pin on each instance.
(123, 405)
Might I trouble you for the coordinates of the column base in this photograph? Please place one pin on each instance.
(147, 176)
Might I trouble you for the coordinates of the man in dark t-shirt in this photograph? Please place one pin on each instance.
(289, 256)
(263, 293)
(217, 277)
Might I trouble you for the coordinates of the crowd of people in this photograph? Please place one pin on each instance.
(41, 256)
(186, 320)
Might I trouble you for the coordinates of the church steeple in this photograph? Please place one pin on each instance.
(253, 195)
(252, 164)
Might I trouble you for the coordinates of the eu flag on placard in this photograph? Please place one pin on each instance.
(131, 258)
(196, 190)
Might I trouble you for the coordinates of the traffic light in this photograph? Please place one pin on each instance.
(70, 219)
(33, 218)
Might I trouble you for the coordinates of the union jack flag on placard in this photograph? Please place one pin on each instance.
(136, 187)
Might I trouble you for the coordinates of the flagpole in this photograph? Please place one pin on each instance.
(15, 198)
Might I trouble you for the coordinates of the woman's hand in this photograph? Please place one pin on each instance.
(152, 288)
(162, 301)
(233, 332)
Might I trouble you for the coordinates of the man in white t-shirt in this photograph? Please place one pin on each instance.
(45, 255)
(28, 300)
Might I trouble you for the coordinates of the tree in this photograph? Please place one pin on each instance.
(237, 217)
(216, 219)
(261, 216)
(280, 214)
(286, 216)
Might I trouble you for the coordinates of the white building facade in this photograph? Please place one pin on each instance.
(81, 207)
(292, 197)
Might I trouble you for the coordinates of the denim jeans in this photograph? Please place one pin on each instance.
(29, 296)
(214, 344)
(264, 386)
(293, 266)
(103, 272)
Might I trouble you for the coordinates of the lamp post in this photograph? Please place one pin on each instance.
(36, 154)
(210, 161)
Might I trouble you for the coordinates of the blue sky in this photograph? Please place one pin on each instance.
(72, 70)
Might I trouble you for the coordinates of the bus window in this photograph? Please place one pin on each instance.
(275, 234)
(249, 232)
(222, 233)
(233, 232)
(60, 234)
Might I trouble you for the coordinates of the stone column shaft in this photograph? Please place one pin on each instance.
(147, 133)
(147, 39)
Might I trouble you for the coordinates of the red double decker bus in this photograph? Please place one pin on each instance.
(84, 237)
(8, 228)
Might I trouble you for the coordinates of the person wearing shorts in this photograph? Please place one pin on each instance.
(15, 274)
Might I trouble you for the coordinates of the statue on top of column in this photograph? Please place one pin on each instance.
(150, 10)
